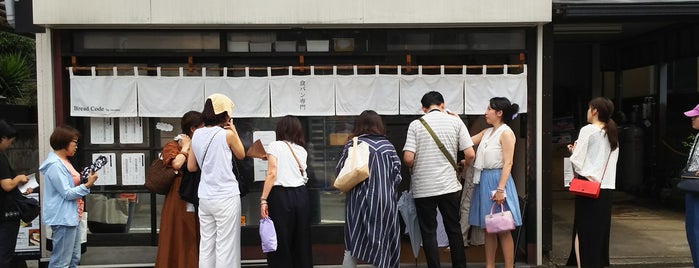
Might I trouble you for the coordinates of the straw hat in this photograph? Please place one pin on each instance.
(221, 104)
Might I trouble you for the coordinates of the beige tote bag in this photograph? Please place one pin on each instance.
(356, 167)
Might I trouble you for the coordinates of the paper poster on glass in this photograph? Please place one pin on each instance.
(29, 236)
(133, 168)
(131, 130)
(107, 174)
(101, 130)
(260, 166)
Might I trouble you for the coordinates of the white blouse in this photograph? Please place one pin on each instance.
(288, 174)
(590, 155)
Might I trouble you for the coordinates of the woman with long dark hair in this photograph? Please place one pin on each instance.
(594, 157)
(211, 150)
(372, 228)
(493, 172)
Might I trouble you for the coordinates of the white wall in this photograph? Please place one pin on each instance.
(256, 13)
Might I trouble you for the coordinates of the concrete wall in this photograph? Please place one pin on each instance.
(237, 13)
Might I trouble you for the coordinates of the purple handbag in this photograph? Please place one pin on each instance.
(499, 222)
(268, 235)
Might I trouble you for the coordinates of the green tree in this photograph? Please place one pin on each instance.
(17, 69)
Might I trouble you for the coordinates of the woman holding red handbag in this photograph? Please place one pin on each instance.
(594, 157)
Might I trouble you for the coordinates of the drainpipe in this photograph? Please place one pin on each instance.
(10, 12)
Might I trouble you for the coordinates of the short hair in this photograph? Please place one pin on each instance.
(191, 119)
(289, 129)
(508, 109)
(368, 122)
(7, 129)
(62, 136)
(432, 98)
(211, 118)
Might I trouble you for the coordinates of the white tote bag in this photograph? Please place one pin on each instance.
(356, 167)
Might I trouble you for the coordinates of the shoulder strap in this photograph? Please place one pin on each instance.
(439, 144)
(296, 158)
(605, 166)
(207, 146)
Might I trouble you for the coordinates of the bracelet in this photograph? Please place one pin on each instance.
(500, 190)
(263, 202)
(184, 153)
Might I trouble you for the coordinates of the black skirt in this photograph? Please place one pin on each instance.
(592, 223)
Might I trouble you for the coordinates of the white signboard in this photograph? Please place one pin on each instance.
(101, 130)
(133, 168)
(260, 166)
(103, 96)
(131, 130)
(107, 174)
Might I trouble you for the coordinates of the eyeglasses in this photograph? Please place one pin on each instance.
(76, 142)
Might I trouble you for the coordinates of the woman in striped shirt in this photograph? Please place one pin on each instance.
(372, 231)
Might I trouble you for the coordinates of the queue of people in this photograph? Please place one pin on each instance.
(208, 235)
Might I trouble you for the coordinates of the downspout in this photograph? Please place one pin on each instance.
(10, 12)
(539, 141)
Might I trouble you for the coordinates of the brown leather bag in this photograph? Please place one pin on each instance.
(159, 177)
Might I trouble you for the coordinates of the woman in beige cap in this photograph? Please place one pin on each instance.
(219, 197)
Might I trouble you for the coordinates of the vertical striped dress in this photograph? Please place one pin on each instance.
(372, 230)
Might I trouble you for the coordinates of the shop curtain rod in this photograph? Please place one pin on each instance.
(306, 67)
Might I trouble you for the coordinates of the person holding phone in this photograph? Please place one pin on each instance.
(212, 149)
(594, 157)
(493, 177)
(62, 204)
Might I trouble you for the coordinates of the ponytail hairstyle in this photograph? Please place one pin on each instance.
(605, 109)
(509, 110)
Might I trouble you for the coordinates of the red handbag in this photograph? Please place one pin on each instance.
(588, 188)
(585, 188)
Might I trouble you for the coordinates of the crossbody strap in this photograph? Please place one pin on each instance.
(207, 146)
(605, 166)
(439, 144)
(297, 159)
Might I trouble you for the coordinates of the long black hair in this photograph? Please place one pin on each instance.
(605, 109)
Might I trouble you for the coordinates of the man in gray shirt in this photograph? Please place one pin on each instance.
(434, 181)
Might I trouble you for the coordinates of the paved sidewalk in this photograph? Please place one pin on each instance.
(644, 234)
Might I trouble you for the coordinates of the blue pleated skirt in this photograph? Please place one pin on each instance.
(481, 203)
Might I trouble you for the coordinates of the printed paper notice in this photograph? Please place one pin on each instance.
(131, 130)
(133, 168)
(260, 166)
(31, 183)
(107, 174)
(101, 130)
